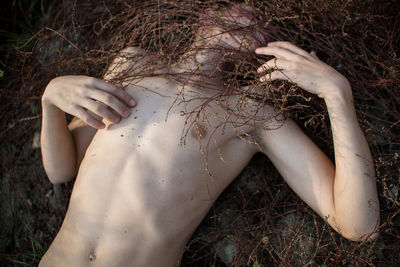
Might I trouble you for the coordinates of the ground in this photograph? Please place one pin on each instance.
(258, 220)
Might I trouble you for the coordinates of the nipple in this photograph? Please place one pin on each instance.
(92, 256)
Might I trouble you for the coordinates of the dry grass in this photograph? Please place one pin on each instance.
(258, 217)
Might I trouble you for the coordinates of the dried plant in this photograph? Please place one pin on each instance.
(359, 38)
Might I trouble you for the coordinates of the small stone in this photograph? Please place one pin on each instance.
(36, 140)
(48, 194)
(394, 192)
(226, 250)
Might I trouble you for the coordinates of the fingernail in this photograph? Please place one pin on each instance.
(132, 102)
(102, 126)
(257, 50)
(118, 119)
(127, 113)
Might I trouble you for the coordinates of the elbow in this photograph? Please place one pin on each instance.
(359, 223)
(362, 233)
(361, 236)
(59, 179)
(59, 174)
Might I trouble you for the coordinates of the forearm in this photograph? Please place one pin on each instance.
(347, 194)
(355, 195)
(57, 144)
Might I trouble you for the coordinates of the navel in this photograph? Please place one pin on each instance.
(198, 131)
(92, 256)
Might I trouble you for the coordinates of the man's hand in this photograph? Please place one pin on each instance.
(305, 69)
(89, 99)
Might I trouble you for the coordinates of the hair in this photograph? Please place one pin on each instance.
(172, 32)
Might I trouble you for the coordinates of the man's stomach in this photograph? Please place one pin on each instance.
(166, 193)
(135, 210)
(138, 205)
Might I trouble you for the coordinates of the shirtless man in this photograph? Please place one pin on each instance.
(139, 194)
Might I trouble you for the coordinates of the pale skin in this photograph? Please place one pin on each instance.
(139, 194)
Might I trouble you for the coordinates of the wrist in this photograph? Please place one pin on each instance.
(340, 103)
(47, 94)
(336, 85)
(48, 106)
(339, 93)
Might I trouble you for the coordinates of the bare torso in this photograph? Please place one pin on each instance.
(140, 192)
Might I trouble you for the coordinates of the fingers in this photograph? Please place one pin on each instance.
(101, 110)
(287, 58)
(115, 90)
(286, 50)
(280, 65)
(274, 64)
(97, 83)
(124, 96)
(275, 51)
(109, 100)
(275, 75)
(291, 47)
(88, 119)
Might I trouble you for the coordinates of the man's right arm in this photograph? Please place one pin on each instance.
(88, 99)
(57, 145)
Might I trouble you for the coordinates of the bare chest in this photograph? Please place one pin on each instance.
(153, 177)
(171, 149)
(165, 118)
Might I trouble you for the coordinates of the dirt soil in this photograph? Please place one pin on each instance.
(258, 220)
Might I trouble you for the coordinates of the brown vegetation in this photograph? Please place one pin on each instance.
(258, 221)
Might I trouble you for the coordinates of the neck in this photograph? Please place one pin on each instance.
(200, 66)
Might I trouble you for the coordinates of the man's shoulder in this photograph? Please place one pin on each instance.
(257, 112)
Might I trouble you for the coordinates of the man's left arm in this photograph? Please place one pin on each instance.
(344, 194)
